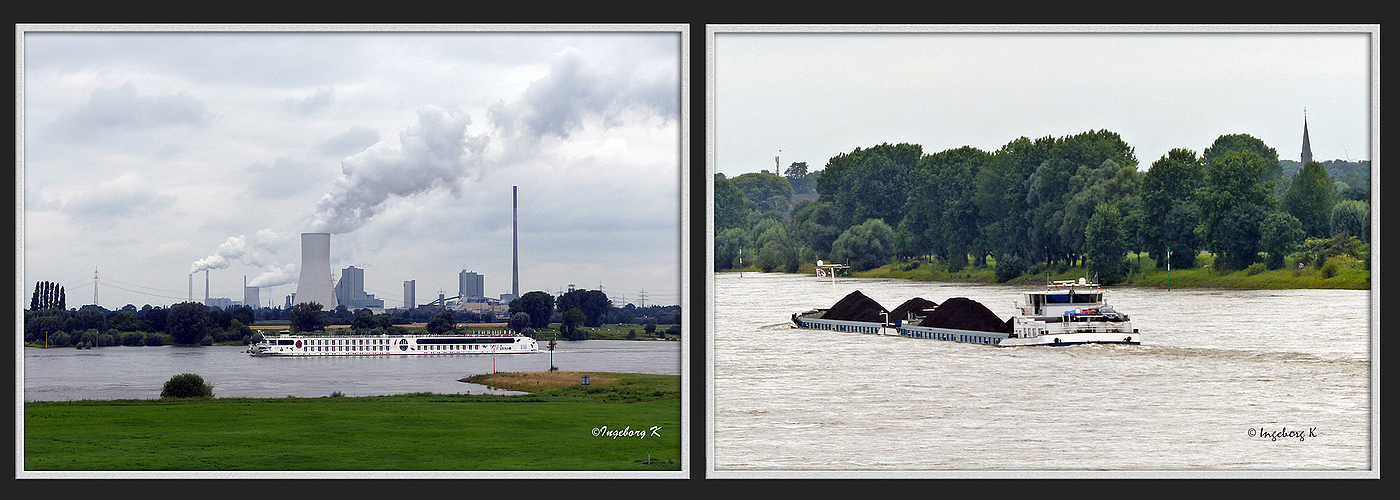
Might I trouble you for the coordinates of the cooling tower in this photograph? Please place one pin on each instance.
(316, 284)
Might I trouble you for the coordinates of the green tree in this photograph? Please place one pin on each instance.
(798, 177)
(776, 250)
(307, 317)
(864, 246)
(594, 304)
(869, 183)
(443, 323)
(1001, 199)
(569, 328)
(1273, 171)
(187, 385)
(767, 190)
(727, 247)
(1279, 235)
(816, 225)
(1048, 192)
(1352, 217)
(519, 321)
(47, 295)
(539, 305)
(1169, 210)
(363, 321)
(1106, 244)
(940, 214)
(731, 206)
(1234, 200)
(187, 322)
(1309, 198)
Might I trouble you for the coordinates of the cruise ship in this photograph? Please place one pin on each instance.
(501, 342)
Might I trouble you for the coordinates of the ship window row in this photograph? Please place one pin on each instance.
(841, 328)
(346, 341)
(338, 348)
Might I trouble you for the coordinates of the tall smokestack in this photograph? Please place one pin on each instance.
(206, 287)
(191, 299)
(316, 284)
(514, 242)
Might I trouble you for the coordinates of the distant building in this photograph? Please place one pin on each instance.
(250, 296)
(507, 297)
(219, 302)
(471, 285)
(410, 299)
(350, 291)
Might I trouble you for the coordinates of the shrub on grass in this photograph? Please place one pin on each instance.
(1253, 269)
(133, 338)
(187, 385)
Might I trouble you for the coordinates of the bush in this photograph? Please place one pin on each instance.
(1329, 270)
(153, 339)
(187, 385)
(133, 338)
(1253, 269)
(207, 340)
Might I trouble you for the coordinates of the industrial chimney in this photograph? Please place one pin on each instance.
(514, 243)
(316, 284)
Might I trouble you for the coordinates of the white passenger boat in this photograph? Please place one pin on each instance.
(504, 342)
(1065, 313)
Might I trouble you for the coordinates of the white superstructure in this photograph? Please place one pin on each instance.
(394, 345)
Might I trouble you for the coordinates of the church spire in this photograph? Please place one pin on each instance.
(1307, 149)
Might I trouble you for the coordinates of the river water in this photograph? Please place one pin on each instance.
(1225, 380)
(140, 372)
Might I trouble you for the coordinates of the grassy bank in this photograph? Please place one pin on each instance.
(560, 425)
(1336, 273)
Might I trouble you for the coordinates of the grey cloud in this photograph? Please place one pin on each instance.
(120, 199)
(120, 108)
(284, 177)
(322, 99)
(351, 141)
(574, 91)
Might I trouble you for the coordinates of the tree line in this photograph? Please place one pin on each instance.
(1048, 203)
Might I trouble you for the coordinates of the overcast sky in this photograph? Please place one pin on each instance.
(151, 156)
(813, 96)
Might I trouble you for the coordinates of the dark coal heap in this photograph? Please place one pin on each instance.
(966, 314)
(916, 305)
(855, 306)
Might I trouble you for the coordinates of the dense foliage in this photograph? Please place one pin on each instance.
(187, 385)
(1040, 204)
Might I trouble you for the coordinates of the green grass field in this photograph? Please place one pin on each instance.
(561, 426)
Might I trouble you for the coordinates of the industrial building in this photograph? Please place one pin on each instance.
(471, 286)
(350, 291)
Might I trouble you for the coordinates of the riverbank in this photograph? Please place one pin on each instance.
(408, 432)
(1339, 273)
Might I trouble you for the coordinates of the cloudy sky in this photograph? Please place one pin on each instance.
(806, 96)
(153, 155)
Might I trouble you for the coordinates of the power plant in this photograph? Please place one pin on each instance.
(316, 284)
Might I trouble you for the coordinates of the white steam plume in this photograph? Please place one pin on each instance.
(433, 153)
(256, 251)
(277, 275)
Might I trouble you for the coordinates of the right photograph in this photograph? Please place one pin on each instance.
(1052, 251)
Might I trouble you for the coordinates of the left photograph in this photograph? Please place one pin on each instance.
(406, 252)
